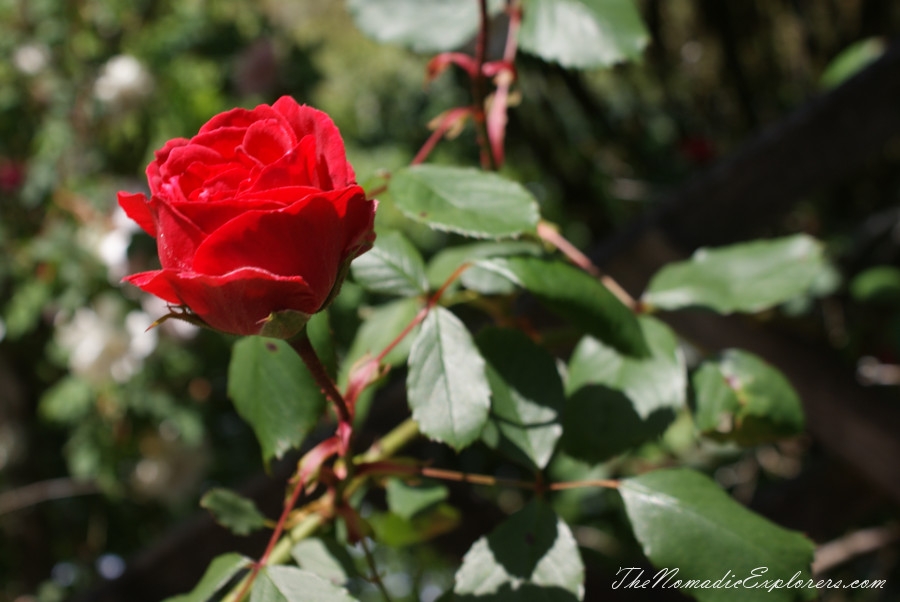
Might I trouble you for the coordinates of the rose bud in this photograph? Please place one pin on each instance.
(256, 220)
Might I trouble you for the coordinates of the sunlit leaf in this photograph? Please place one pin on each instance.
(531, 556)
(291, 584)
(464, 200)
(422, 25)
(526, 394)
(447, 387)
(583, 33)
(684, 521)
(392, 267)
(617, 401)
(746, 277)
(326, 558)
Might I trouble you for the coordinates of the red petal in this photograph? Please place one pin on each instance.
(236, 302)
(305, 239)
(357, 214)
(182, 157)
(223, 140)
(334, 170)
(285, 195)
(238, 118)
(154, 177)
(137, 208)
(177, 237)
(209, 217)
(267, 141)
(155, 283)
(296, 168)
(223, 185)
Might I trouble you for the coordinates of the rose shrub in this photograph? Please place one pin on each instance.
(256, 219)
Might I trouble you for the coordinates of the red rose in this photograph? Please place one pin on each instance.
(256, 219)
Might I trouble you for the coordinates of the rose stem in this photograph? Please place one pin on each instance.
(476, 479)
(376, 578)
(550, 235)
(385, 447)
(304, 348)
(606, 483)
(432, 301)
(450, 118)
(488, 161)
(483, 479)
(276, 534)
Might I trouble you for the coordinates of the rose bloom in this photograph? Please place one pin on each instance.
(256, 219)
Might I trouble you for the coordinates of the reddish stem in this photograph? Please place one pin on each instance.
(481, 41)
(496, 119)
(308, 464)
(476, 479)
(304, 348)
(432, 301)
(276, 534)
(606, 483)
(550, 235)
(447, 121)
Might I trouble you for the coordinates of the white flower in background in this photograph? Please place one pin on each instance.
(123, 81)
(108, 240)
(104, 345)
(31, 59)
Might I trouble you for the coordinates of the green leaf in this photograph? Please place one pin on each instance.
(381, 326)
(407, 500)
(851, 61)
(392, 267)
(447, 388)
(290, 584)
(326, 558)
(68, 401)
(685, 521)
(444, 263)
(617, 402)
(526, 393)
(220, 571)
(653, 382)
(530, 556)
(233, 511)
(395, 531)
(464, 200)
(747, 277)
(422, 25)
(583, 33)
(880, 284)
(274, 392)
(741, 398)
(577, 297)
(23, 311)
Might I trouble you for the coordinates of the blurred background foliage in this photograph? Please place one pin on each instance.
(109, 433)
